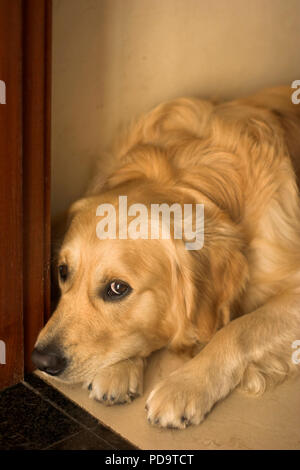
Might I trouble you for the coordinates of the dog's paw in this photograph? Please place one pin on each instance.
(176, 403)
(119, 383)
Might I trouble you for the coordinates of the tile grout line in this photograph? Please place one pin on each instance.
(65, 413)
(61, 440)
(99, 422)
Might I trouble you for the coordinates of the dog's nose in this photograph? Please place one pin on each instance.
(49, 360)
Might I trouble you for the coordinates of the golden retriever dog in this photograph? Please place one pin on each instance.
(233, 305)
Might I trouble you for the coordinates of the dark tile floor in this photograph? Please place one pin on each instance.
(35, 416)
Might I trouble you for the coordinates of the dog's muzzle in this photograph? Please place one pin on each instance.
(49, 359)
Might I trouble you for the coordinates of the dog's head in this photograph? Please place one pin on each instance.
(123, 298)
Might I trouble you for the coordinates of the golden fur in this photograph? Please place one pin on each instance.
(239, 296)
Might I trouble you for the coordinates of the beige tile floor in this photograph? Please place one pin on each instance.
(238, 422)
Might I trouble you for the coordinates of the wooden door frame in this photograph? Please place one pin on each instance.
(11, 265)
(25, 122)
(36, 169)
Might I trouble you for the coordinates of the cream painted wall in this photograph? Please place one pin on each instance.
(113, 59)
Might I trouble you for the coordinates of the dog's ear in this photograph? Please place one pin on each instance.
(209, 283)
(62, 221)
(59, 227)
(228, 272)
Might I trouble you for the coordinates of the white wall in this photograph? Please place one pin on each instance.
(113, 59)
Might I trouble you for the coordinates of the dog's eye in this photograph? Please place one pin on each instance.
(63, 272)
(116, 290)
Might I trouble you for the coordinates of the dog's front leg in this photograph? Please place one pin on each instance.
(188, 394)
(118, 383)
